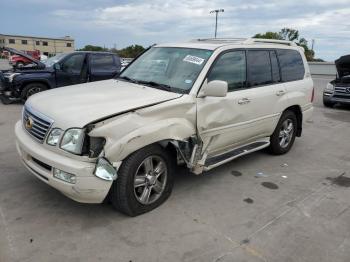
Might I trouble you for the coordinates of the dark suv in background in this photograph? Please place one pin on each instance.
(61, 70)
(338, 90)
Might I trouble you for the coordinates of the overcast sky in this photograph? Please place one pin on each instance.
(121, 23)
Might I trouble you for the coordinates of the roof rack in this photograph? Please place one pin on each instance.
(219, 40)
(245, 41)
(269, 41)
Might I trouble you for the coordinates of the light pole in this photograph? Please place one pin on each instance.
(217, 11)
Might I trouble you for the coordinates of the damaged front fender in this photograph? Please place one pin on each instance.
(127, 133)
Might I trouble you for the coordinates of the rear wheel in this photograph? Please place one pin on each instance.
(145, 181)
(283, 137)
(32, 89)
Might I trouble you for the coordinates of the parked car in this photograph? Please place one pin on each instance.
(200, 104)
(61, 70)
(43, 58)
(19, 61)
(338, 90)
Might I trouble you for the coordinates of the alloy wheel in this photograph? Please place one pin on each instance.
(150, 180)
(286, 133)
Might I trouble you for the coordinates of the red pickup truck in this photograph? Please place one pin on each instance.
(19, 61)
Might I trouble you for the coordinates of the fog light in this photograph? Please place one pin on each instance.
(64, 176)
(105, 170)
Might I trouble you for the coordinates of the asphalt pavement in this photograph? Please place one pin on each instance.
(260, 207)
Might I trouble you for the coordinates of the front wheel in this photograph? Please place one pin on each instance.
(145, 181)
(32, 89)
(283, 137)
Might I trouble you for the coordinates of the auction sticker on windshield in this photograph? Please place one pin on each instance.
(194, 59)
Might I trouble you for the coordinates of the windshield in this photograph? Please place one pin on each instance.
(52, 60)
(174, 68)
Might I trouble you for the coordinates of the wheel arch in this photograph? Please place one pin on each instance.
(296, 109)
(40, 81)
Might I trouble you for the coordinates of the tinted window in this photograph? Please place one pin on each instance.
(230, 67)
(102, 63)
(275, 68)
(74, 64)
(291, 63)
(259, 68)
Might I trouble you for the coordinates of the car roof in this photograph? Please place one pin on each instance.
(214, 43)
(92, 52)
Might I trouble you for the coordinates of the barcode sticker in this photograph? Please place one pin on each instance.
(193, 59)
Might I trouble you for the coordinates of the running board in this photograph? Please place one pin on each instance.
(235, 153)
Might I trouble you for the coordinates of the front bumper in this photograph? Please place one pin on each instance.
(336, 98)
(41, 161)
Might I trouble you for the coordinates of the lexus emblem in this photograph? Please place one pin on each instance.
(29, 123)
(347, 90)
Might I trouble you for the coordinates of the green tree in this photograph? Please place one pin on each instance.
(131, 51)
(93, 48)
(290, 34)
(269, 35)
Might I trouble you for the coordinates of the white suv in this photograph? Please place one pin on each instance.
(200, 104)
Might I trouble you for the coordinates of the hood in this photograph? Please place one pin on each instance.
(79, 105)
(14, 51)
(343, 66)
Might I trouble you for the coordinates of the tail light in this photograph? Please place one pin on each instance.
(313, 95)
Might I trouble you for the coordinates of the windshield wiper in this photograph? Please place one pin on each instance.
(156, 85)
(128, 79)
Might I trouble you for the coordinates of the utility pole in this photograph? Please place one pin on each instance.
(312, 45)
(217, 11)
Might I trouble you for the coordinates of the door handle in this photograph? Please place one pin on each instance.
(280, 93)
(244, 101)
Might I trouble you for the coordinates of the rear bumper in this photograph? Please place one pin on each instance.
(41, 161)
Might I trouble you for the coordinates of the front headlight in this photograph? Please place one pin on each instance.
(72, 140)
(329, 88)
(11, 76)
(54, 136)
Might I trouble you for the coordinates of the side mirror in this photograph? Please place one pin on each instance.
(57, 66)
(215, 88)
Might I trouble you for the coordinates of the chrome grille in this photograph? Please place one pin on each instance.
(342, 90)
(36, 124)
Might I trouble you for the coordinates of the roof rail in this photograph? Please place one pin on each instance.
(219, 40)
(269, 41)
(245, 41)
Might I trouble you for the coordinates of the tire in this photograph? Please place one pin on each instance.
(277, 147)
(129, 196)
(19, 64)
(32, 89)
(328, 104)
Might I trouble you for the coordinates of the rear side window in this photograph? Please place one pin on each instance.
(291, 63)
(275, 68)
(102, 63)
(259, 68)
(230, 67)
